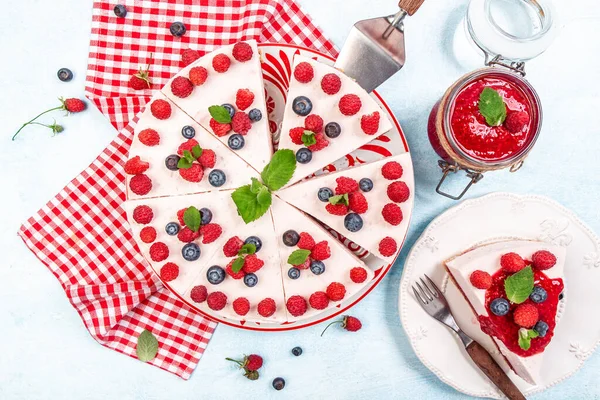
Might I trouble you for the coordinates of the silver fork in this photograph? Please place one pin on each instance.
(435, 304)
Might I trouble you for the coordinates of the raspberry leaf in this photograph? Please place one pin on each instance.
(340, 199)
(279, 171)
(248, 248)
(237, 265)
(519, 286)
(220, 114)
(147, 346)
(492, 107)
(196, 151)
(248, 206)
(525, 336)
(298, 257)
(192, 218)
(309, 138)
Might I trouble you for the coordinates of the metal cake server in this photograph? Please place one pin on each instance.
(374, 49)
(434, 303)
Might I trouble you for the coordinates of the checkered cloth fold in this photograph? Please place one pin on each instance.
(82, 234)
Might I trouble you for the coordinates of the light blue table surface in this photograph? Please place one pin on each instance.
(45, 351)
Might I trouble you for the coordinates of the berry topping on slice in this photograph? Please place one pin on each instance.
(169, 272)
(216, 301)
(398, 191)
(499, 307)
(296, 305)
(358, 202)
(140, 184)
(244, 99)
(481, 279)
(324, 194)
(317, 267)
(314, 123)
(190, 252)
(331, 84)
(358, 275)
(255, 240)
(198, 75)
(235, 275)
(321, 143)
(333, 130)
(186, 235)
(365, 185)
(159, 251)
(512, 262)
(516, 121)
(392, 170)
(172, 228)
(350, 104)
(180, 216)
(229, 109)
(149, 137)
(143, 214)
(302, 106)
(388, 246)
(241, 306)
(240, 123)
(221, 63)
(236, 141)
(172, 161)
(321, 251)
(205, 215)
(296, 135)
(242, 52)
(217, 178)
(541, 328)
(250, 280)
(215, 275)
(218, 128)
(208, 158)
(181, 87)
(392, 214)
(148, 234)
(290, 238)
(304, 72)
(353, 222)
(199, 294)
(232, 246)
(188, 132)
(304, 265)
(337, 209)
(161, 109)
(543, 260)
(210, 232)
(255, 115)
(319, 300)
(306, 241)
(192, 174)
(370, 123)
(252, 264)
(187, 145)
(526, 315)
(538, 295)
(266, 307)
(188, 56)
(345, 185)
(293, 273)
(336, 291)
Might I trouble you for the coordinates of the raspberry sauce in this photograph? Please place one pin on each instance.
(505, 329)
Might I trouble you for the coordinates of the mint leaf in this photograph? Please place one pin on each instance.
(188, 155)
(279, 171)
(238, 264)
(525, 336)
(298, 257)
(519, 286)
(247, 204)
(192, 218)
(256, 185)
(147, 346)
(248, 248)
(220, 114)
(196, 151)
(309, 138)
(264, 197)
(339, 199)
(184, 163)
(492, 107)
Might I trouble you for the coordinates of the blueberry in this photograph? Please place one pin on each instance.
(304, 155)
(255, 240)
(499, 306)
(353, 222)
(561, 296)
(250, 280)
(172, 161)
(64, 74)
(538, 295)
(236, 141)
(290, 238)
(324, 194)
(317, 267)
(297, 351)
(229, 109)
(205, 215)
(333, 130)
(215, 275)
(177, 29)
(255, 115)
(294, 273)
(120, 10)
(172, 228)
(188, 132)
(302, 105)
(541, 328)
(217, 178)
(278, 383)
(365, 184)
(191, 252)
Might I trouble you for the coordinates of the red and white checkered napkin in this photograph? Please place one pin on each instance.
(82, 234)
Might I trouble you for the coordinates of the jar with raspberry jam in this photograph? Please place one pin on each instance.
(490, 118)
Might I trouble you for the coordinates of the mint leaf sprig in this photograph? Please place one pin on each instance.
(220, 114)
(189, 157)
(525, 336)
(519, 285)
(192, 218)
(298, 257)
(340, 199)
(247, 249)
(309, 138)
(492, 107)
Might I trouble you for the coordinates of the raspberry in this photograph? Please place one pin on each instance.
(350, 104)
(345, 185)
(241, 306)
(161, 109)
(143, 214)
(199, 294)
(235, 275)
(516, 121)
(296, 135)
(253, 362)
(210, 232)
(252, 264)
(526, 315)
(188, 56)
(169, 272)
(358, 275)
(198, 75)
(321, 143)
(148, 234)
(187, 145)
(240, 123)
(232, 246)
(219, 129)
(398, 192)
(73, 105)
(159, 251)
(351, 324)
(370, 123)
(136, 166)
(208, 159)
(244, 99)
(296, 305)
(266, 307)
(186, 235)
(336, 291)
(392, 214)
(216, 301)
(140, 80)
(543, 259)
(181, 87)
(306, 241)
(242, 52)
(314, 123)
(304, 72)
(304, 265)
(140, 184)
(388, 247)
(319, 300)
(321, 251)
(180, 216)
(337, 209)
(192, 174)
(149, 137)
(392, 170)
(512, 262)
(358, 202)
(221, 63)
(481, 279)
(331, 83)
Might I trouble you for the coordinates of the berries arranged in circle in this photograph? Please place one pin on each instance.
(481, 279)
(199, 293)
(64, 74)
(255, 115)
(538, 295)
(317, 267)
(499, 307)
(358, 275)
(291, 238)
(331, 84)
(526, 315)
(304, 72)
(388, 246)
(324, 194)
(143, 214)
(188, 132)
(242, 52)
(140, 184)
(278, 383)
(333, 130)
(541, 328)
(236, 141)
(250, 280)
(294, 273)
(297, 351)
(365, 184)
(353, 222)
(216, 301)
(303, 155)
(215, 275)
(206, 216)
(255, 240)
(512, 262)
(120, 10)
(302, 106)
(217, 178)
(172, 228)
(172, 161)
(190, 252)
(229, 109)
(543, 259)
(177, 29)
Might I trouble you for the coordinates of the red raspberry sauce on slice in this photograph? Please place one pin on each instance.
(474, 135)
(505, 329)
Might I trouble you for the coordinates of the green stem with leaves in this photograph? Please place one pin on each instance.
(36, 117)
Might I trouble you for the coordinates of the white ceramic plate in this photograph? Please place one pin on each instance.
(503, 215)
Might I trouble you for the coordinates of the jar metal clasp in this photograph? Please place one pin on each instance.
(447, 168)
